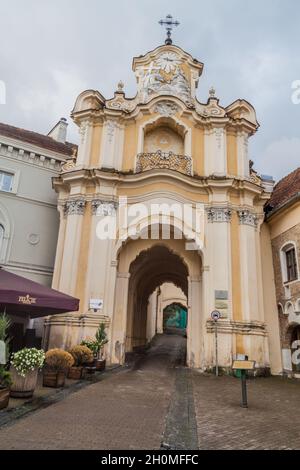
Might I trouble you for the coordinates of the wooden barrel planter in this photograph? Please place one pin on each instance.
(75, 373)
(54, 378)
(100, 364)
(23, 387)
(4, 398)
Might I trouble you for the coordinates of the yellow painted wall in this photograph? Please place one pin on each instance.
(284, 220)
(198, 151)
(130, 145)
(96, 143)
(198, 196)
(231, 154)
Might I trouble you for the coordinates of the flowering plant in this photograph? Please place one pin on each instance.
(27, 359)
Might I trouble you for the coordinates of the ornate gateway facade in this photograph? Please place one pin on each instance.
(165, 147)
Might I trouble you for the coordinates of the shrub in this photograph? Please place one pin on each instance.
(92, 345)
(27, 359)
(82, 355)
(5, 378)
(58, 359)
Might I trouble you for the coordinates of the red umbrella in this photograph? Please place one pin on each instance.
(19, 295)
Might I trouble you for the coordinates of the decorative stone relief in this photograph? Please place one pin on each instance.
(74, 207)
(218, 134)
(33, 238)
(164, 160)
(165, 75)
(166, 108)
(104, 208)
(82, 131)
(247, 218)
(68, 165)
(111, 126)
(219, 214)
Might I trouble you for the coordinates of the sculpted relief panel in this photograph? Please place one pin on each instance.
(165, 75)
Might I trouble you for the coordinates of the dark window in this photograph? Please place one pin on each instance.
(291, 265)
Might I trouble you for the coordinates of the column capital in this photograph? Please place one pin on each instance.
(218, 214)
(103, 208)
(74, 207)
(246, 217)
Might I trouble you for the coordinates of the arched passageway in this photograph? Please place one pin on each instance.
(151, 269)
(143, 266)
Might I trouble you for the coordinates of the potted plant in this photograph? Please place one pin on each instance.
(24, 368)
(97, 346)
(82, 355)
(57, 363)
(5, 383)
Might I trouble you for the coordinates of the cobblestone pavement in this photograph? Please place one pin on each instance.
(271, 421)
(125, 411)
(158, 403)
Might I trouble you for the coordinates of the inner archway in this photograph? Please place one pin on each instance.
(151, 269)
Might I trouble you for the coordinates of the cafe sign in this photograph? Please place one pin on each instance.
(27, 300)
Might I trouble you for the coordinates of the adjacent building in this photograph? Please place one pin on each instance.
(283, 218)
(28, 204)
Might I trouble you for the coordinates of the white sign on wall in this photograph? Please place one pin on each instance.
(96, 304)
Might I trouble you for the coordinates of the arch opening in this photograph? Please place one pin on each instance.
(152, 273)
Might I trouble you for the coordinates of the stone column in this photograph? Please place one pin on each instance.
(73, 211)
(194, 325)
(119, 320)
(219, 258)
(101, 272)
(249, 269)
(59, 247)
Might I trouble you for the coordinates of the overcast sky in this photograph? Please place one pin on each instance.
(51, 50)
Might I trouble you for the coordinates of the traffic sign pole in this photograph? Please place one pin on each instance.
(215, 316)
(216, 343)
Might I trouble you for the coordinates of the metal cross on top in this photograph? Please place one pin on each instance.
(168, 22)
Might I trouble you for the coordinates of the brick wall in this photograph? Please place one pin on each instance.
(293, 235)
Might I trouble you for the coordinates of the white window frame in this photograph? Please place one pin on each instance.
(283, 250)
(15, 179)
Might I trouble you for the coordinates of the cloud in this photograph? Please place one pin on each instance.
(281, 156)
(250, 50)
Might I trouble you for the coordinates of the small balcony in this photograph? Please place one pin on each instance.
(164, 160)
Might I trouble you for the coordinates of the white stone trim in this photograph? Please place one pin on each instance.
(282, 256)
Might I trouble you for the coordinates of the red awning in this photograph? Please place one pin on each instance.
(19, 296)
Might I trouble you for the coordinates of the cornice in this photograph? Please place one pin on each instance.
(24, 148)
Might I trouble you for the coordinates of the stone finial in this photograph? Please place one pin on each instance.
(212, 92)
(120, 88)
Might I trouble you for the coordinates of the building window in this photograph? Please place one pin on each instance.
(291, 264)
(6, 181)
